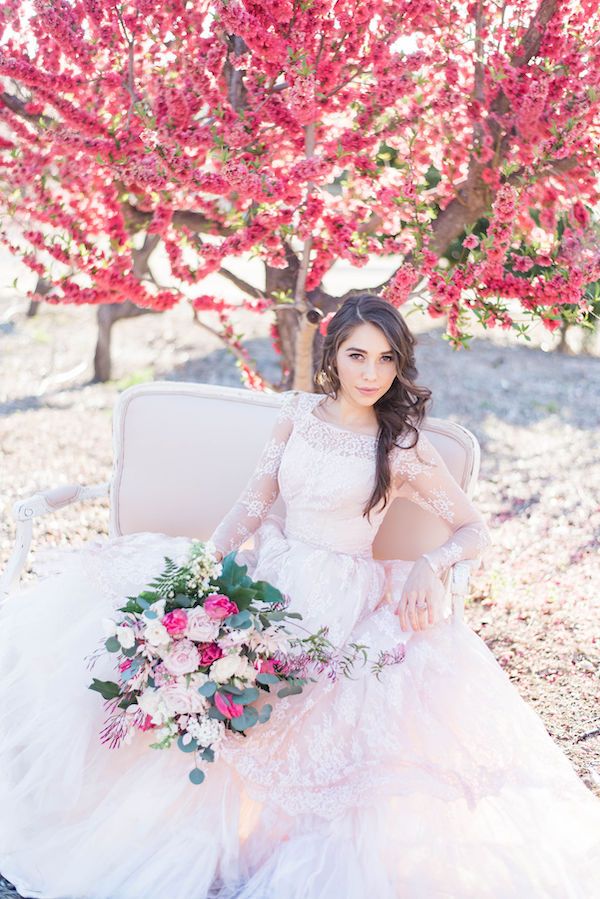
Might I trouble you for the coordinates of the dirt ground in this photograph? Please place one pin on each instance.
(536, 414)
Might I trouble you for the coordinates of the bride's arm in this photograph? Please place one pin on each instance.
(421, 475)
(262, 489)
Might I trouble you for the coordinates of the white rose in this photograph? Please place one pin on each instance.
(156, 633)
(200, 627)
(125, 636)
(246, 670)
(152, 703)
(224, 668)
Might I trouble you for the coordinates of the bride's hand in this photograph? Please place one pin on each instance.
(422, 586)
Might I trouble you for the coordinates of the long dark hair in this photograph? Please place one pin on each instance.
(403, 407)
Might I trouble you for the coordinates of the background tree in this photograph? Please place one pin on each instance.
(303, 132)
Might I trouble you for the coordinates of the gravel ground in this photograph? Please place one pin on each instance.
(536, 414)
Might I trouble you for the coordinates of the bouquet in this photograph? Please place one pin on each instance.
(199, 651)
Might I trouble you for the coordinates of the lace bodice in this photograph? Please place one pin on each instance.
(326, 474)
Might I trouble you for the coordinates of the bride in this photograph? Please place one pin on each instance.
(437, 780)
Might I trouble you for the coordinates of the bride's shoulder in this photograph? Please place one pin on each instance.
(294, 402)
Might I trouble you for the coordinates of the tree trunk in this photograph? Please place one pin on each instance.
(42, 288)
(108, 314)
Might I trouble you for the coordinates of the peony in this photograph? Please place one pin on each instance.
(219, 606)
(227, 706)
(156, 633)
(200, 627)
(209, 653)
(175, 621)
(183, 658)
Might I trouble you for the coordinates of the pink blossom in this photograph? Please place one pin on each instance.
(266, 666)
(175, 621)
(471, 241)
(146, 723)
(219, 606)
(227, 706)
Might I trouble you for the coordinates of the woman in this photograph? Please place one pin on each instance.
(436, 780)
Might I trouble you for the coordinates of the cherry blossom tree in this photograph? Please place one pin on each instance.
(454, 136)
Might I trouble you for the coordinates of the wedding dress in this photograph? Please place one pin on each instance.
(437, 780)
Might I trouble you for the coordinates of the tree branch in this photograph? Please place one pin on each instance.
(233, 349)
(239, 282)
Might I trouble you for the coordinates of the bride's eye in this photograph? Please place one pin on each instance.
(388, 358)
(356, 355)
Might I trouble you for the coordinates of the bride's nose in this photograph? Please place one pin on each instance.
(370, 373)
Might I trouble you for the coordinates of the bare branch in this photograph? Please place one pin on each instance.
(18, 107)
(239, 282)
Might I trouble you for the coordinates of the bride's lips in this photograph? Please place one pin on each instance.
(368, 390)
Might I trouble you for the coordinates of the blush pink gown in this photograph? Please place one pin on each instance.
(438, 780)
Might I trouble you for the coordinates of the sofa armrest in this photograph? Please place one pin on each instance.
(460, 574)
(41, 503)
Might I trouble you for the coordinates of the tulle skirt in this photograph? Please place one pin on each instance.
(434, 779)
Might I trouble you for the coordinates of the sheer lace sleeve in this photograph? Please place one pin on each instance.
(421, 475)
(261, 491)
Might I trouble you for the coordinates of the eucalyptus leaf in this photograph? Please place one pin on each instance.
(208, 754)
(289, 691)
(197, 776)
(265, 713)
(268, 592)
(213, 712)
(231, 688)
(248, 719)
(208, 689)
(187, 747)
(112, 644)
(250, 694)
(266, 678)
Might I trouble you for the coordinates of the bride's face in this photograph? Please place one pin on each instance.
(365, 365)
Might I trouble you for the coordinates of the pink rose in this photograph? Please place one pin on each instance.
(183, 658)
(209, 653)
(219, 606)
(175, 621)
(227, 706)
